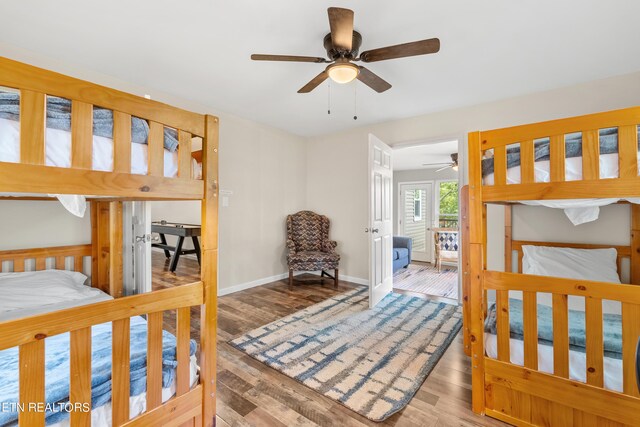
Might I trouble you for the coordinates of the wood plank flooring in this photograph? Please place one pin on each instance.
(252, 394)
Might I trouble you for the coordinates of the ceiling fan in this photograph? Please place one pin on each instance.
(453, 165)
(343, 44)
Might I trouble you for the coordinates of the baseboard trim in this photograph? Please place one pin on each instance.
(351, 279)
(356, 280)
(190, 256)
(266, 280)
(252, 284)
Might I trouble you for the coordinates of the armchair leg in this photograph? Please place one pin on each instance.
(335, 279)
(290, 279)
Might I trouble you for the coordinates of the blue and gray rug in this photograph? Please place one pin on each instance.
(370, 360)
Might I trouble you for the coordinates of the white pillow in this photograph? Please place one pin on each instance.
(39, 288)
(583, 264)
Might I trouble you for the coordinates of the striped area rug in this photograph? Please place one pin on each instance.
(370, 360)
(424, 278)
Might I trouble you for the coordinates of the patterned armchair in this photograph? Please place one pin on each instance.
(309, 247)
(446, 242)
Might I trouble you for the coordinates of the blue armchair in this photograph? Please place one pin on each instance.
(401, 252)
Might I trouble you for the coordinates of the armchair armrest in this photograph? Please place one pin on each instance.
(403, 242)
(329, 246)
(291, 247)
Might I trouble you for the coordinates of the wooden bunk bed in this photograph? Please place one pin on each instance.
(522, 393)
(107, 190)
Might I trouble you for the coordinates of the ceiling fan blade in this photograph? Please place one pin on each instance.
(436, 164)
(315, 82)
(341, 23)
(289, 58)
(421, 47)
(446, 167)
(373, 80)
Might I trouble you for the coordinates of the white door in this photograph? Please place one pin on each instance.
(416, 206)
(380, 221)
(136, 248)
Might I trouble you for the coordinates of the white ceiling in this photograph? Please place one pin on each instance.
(199, 50)
(415, 156)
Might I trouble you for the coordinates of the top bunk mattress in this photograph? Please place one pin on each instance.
(608, 141)
(58, 151)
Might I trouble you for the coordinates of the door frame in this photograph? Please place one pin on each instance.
(432, 213)
(463, 178)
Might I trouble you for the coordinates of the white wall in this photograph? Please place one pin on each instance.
(263, 166)
(265, 170)
(337, 162)
(552, 225)
(337, 187)
(418, 175)
(36, 224)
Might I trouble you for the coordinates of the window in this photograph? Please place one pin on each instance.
(448, 204)
(417, 205)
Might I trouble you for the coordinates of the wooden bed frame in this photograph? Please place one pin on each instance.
(190, 406)
(522, 395)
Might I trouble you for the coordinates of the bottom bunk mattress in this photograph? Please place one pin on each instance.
(15, 288)
(612, 361)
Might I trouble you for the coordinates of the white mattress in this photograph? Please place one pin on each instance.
(32, 311)
(58, 153)
(577, 361)
(58, 150)
(609, 168)
(579, 211)
(101, 416)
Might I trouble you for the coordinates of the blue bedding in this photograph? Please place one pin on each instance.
(612, 327)
(59, 117)
(57, 369)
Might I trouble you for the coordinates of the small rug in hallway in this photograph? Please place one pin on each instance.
(370, 360)
(424, 278)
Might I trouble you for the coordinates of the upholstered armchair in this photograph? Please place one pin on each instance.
(309, 247)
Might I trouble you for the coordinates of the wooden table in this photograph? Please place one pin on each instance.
(181, 231)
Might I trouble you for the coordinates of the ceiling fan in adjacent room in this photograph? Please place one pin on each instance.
(453, 164)
(343, 45)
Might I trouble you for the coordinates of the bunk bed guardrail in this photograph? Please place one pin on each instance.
(31, 175)
(590, 185)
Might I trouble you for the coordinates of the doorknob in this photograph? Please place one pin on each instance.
(366, 230)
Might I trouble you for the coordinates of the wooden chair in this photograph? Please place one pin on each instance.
(446, 245)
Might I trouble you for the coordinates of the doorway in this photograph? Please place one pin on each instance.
(415, 207)
(426, 232)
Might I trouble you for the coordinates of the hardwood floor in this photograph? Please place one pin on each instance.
(252, 394)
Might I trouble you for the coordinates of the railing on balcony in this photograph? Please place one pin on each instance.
(448, 221)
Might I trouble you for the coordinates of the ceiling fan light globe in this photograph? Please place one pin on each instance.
(343, 72)
(455, 168)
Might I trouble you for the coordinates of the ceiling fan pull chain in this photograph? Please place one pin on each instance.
(329, 98)
(355, 101)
